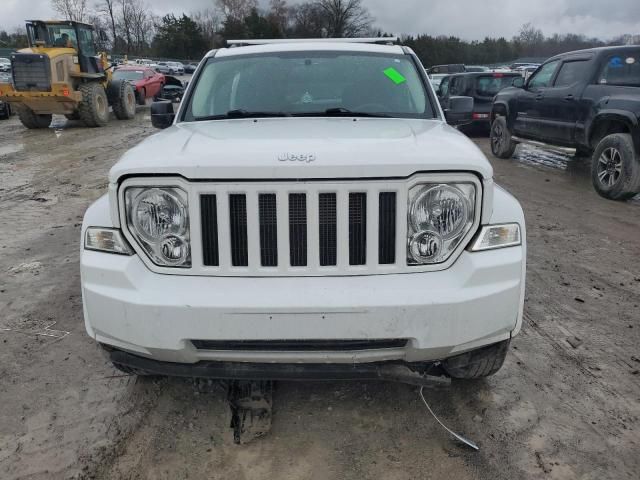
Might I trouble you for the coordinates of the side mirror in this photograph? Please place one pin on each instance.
(518, 82)
(103, 36)
(459, 111)
(162, 114)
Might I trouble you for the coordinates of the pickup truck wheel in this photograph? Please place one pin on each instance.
(477, 363)
(615, 168)
(501, 144)
(32, 120)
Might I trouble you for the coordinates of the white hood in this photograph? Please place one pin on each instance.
(329, 148)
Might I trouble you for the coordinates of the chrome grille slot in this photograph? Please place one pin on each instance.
(357, 228)
(268, 230)
(209, 216)
(327, 229)
(298, 229)
(238, 230)
(387, 228)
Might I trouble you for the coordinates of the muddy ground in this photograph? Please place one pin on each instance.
(565, 405)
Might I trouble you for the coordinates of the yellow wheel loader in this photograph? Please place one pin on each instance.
(62, 73)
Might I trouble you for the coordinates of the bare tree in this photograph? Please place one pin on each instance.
(74, 10)
(345, 18)
(236, 9)
(280, 13)
(108, 8)
(210, 23)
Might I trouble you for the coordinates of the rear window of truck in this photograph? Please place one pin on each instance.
(490, 85)
(622, 70)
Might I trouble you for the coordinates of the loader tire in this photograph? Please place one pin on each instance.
(33, 120)
(94, 107)
(122, 97)
(477, 363)
(72, 116)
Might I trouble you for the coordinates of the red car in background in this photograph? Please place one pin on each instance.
(147, 82)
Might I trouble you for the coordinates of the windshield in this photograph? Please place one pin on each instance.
(128, 75)
(490, 85)
(310, 83)
(53, 35)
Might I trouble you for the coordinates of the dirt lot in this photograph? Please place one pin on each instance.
(565, 405)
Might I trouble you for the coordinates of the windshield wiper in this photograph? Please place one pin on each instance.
(239, 113)
(343, 112)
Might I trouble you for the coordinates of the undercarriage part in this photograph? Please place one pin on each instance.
(459, 437)
(251, 404)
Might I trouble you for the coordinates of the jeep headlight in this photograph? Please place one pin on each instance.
(440, 215)
(158, 218)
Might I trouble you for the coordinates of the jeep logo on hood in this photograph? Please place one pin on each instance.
(300, 157)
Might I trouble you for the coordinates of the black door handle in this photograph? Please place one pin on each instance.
(569, 97)
(539, 97)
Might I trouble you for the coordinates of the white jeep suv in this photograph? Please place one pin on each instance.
(307, 213)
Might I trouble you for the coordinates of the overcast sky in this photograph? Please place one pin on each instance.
(468, 19)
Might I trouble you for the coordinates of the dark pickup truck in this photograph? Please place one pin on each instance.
(588, 100)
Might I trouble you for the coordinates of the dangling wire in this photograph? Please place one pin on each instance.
(459, 437)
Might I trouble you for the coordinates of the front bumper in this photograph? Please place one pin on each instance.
(474, 303)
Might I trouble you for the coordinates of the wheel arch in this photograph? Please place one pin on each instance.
(613, 121)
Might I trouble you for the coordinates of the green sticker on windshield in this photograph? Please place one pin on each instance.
(395, 76)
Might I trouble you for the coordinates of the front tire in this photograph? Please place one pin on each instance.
(94, 107)
(479, 363)
(615, 168)
(502, 146)
(32, 120)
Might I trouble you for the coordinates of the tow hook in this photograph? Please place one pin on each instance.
(251, 405)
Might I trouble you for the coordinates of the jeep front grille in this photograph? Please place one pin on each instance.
(31, 72)
(300, 228)
(310, 223)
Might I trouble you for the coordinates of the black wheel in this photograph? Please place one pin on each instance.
(502, 146)
(141, 97)
(615, 167)
(123, 99)
(73, 116)
(94, 107)
(33, 120)
(477, 363)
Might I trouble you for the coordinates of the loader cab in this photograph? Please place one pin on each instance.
(62, 34)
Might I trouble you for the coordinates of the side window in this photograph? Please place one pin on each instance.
(543, 77)
(456, 86)
(622, 69)
(571, 72)
(87, 45)
(444, 87)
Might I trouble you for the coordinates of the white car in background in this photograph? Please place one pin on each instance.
(5, 65)
(291, 222)
(178, 67)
